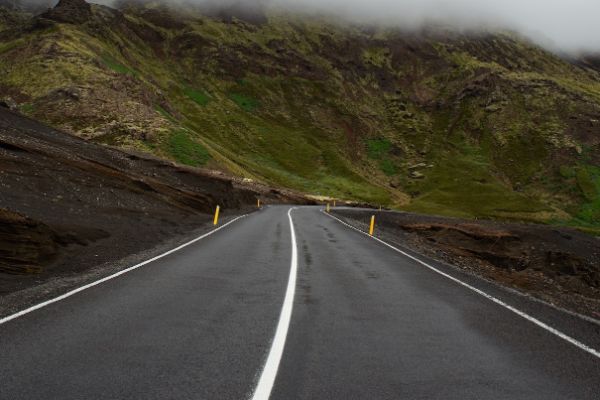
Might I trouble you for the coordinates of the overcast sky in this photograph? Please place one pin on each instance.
(565, 24)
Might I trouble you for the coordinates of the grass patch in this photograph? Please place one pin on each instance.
(587, 184)
(114, 65)
(388, 167)
(567, 171)
(6, 47)
(187, 151)
(246, 103)
(588, 181)
(27, 108)
(199, 97)
(378, 56)
(377, 148)
(590, 213)
(164, 113)
(461, 185)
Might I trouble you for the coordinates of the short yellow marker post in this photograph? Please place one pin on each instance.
(216, 221)
(334, 203)
(372, 227)
(327, 207)
(258, 203)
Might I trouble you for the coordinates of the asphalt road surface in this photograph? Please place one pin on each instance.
(233, 316)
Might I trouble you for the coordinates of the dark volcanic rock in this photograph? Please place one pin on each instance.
(11, 4)
(25, 244)
(70, 11)
(591, 61)
(11, 17)
(9, 103)
(67, 205)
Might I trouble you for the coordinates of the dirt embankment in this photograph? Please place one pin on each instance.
(24, 244)
(67, 205)
(558, 265)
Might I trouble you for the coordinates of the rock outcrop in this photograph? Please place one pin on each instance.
(25, 244)
(70, 11)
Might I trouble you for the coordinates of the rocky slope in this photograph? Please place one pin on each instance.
(471, 125)
(67, 205)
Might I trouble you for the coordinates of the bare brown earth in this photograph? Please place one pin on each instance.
(558, 265)
(67, 205)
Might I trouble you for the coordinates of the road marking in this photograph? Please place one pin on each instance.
(82, 288)
(267, 377)
(520, 313)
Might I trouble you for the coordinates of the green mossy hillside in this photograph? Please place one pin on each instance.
(477, 125)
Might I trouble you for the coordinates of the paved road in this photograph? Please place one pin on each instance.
(367, 323)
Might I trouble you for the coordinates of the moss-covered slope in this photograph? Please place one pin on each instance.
(474, 125)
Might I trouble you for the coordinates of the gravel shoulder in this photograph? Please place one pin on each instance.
(101, 260)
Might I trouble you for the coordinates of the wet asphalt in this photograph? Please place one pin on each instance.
(367, 323)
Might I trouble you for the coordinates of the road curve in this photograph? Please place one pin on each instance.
(371, 324)
(195, 324)
(366, 323)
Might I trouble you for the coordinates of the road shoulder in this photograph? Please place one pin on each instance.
(45, 289)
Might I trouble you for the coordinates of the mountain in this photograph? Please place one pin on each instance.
(470, 124)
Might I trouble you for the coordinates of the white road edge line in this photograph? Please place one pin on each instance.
(269, 373)
(98, 282)
(520, 313)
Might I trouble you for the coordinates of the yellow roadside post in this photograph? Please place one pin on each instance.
(258, 203)
(334, 203)
(372, 227)
(216, 221)
(327, 207)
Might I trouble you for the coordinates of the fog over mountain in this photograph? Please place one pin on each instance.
(561, 25)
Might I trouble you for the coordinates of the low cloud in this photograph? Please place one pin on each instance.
(561, 25)
(567, 25)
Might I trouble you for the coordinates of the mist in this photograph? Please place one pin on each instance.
(569, 26)
(561, 25)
